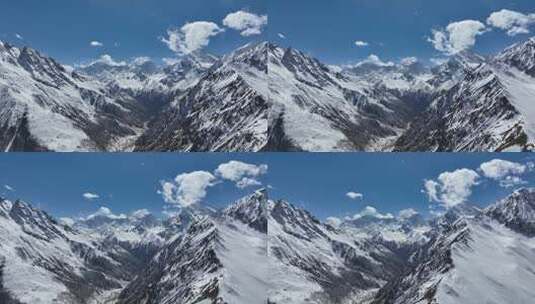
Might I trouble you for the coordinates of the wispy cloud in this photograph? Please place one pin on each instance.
(90, 196)
(95, 43)
(354, 195)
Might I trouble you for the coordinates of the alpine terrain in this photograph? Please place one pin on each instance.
(262, 97)
(198, 256)
(258, 250)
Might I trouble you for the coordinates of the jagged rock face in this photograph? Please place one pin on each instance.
(316, 109)
(470, 254)
(520, 56)
(231, 256)
(434, 261)
(186, 270)
(316, 263)
(475, 115)
(516, 211)
(225, 111)
(152, 85)
(220, 258)
(489, 109)
(45, 107)
(251, 210)
(44, 262)
(265, 98)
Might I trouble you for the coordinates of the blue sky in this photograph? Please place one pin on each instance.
(388, 182)
(393, 29)
(325, 29)
(64, 29)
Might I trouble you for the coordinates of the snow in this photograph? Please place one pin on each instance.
(497, 266)
(521, 89)
(243, 254)
(27, 281)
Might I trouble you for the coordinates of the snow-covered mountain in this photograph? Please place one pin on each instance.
(490, 108)
(44, 106)
(225, 111)
(312, 262)
(221, 258)
(469, 103)
(483, 257)
(199, 255)
(43, 261)
(263, 97)
(150, 83)
(257, 251)
(315, 108)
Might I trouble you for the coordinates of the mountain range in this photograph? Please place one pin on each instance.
(262, 97)
(260, 250)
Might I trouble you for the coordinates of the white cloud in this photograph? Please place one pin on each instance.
(375, 60)
(141, 60)
(497, 168)
(512, 181)
(241, 173)
(451, 188)
(438, 61)
(247, 182)
(191, 37)
(171, 61)
(371, 211)
(66, 221)
(9, 188)
(106, 59)
(360, 43)
(409, 60)
(333, 221)
(248, 23)
(281, 36)
(407, 213)
(513, 22)
(90, 196)
(139, 214)
(354, 195)
(19, 36)
(96, 43)
(458, 36)
(106, 212)
(430, 187)
(188, 188)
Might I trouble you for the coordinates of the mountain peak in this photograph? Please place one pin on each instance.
(520, 56)
(251, 54)
(34, 221)
(517, 211)
(250, 210)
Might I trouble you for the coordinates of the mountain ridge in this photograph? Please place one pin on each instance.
(262, 97)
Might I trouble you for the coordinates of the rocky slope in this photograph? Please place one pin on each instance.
(315, 108)
(311, 262)
(455, 265)
(44, 261)
(225, 111)
(257, 250)
(43, 107)
(219, 259)
(490, 109)
(262, 97)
